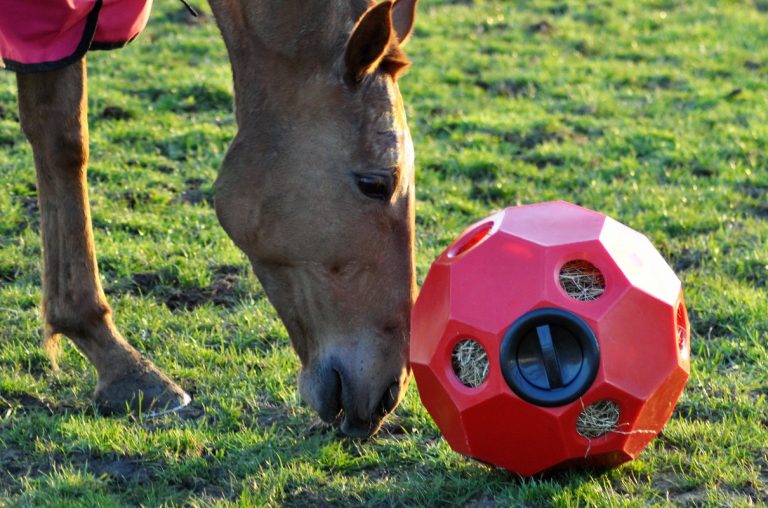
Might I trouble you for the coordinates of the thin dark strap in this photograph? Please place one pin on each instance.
(191, 9)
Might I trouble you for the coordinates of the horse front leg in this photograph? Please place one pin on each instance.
(53, 115)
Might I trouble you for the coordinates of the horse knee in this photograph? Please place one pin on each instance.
(64, 150)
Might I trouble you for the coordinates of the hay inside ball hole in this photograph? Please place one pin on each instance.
(598, 419)
(470, 363)
(581, 280)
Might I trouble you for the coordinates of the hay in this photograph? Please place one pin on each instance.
(598, 419)
(582, 280)
(470, 363)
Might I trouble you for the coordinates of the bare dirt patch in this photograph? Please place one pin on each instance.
(541, 27)
(757, 210)
(513, 88)
(15, 463)
(532, 138)
(133, 198)
(120, 469)
(224, 290)
(114, 113)
(708, 326)
(195, 193)
(14, 402)
(27, 198)
(688, 259)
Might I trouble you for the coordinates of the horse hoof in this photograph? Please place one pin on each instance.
(144, 390)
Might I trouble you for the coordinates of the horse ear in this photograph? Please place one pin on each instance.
(403, 16)
(370, 41)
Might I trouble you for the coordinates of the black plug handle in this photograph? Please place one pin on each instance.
(549, 355)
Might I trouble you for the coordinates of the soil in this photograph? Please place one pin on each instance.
(166, 287)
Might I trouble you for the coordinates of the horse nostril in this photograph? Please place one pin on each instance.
(331, 406)
(389, 400)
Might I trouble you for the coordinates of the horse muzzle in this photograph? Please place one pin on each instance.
(351, 395)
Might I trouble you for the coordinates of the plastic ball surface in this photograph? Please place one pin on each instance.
(550, 336)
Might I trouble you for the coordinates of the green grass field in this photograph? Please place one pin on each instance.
(654, 112)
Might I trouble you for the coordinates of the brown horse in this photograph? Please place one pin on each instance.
(316, 189)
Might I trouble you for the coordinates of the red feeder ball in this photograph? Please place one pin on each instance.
(550, 336)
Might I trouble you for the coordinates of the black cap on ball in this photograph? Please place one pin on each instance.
(549, 357)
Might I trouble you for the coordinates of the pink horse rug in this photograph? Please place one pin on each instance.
(43, 35)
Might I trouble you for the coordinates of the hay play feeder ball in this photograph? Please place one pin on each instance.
(550, 336)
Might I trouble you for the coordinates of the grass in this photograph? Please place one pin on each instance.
(654, 112)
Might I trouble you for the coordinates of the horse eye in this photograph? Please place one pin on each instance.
(375, 186)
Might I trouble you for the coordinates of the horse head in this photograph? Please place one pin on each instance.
(317, 189)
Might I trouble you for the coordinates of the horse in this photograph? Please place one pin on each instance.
(316, 188)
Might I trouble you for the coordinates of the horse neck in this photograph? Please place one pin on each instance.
(275, 42)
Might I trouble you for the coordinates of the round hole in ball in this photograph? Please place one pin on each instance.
(682, 327)
(471, 239)
(581, 280)
(470, 363)
(598, 419)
